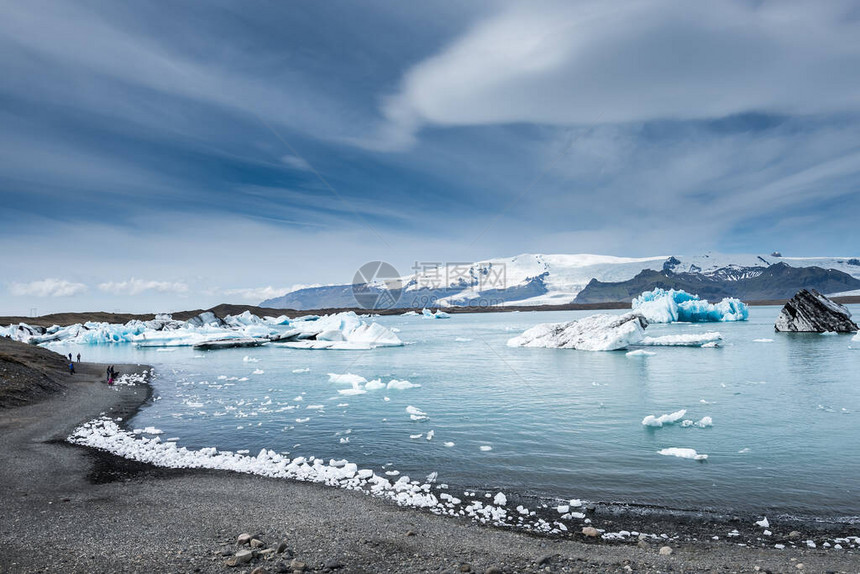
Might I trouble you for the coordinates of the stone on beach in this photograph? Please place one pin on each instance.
(243, 538)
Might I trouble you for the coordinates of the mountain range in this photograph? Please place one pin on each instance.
(538, 279)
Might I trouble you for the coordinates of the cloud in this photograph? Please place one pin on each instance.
(137, 286)
(257, 294)
(296, 162)
(47, 288)
(595, 62)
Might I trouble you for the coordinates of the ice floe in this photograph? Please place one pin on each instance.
(640, 353)
(712, 339)
(427, 313)
(661, 306)
(401, 384)
(682, 453)
(652, 421)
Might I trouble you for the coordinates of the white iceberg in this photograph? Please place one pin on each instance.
(401, 384)
(347, 379)
(594, 333)
(661, 306)
(683, 453)
(375, 384)
(652, 421)
(640, 353)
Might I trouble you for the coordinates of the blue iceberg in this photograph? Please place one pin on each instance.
(661, 306)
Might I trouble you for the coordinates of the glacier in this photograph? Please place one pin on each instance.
(662, 306)
(336, 331)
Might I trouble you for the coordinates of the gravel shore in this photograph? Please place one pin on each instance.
(72, 509)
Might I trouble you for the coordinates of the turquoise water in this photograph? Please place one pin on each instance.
(560, 423)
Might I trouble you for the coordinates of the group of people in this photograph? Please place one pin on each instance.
(72, 363)
(111, 372)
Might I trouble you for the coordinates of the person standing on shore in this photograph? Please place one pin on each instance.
(70, 357)
(71, 366)
(79, 357)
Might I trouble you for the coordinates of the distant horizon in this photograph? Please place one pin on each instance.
(52, 297)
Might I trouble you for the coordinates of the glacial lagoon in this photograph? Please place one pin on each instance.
(548, 424)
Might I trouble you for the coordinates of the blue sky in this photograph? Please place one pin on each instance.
(169, 155)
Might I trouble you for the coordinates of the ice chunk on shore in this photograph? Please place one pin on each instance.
(763, 523)
(661, 306)
(683, 453)
(594, 333)
(711, 339)
(652, 421)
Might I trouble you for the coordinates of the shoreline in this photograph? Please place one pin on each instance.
(103, 512)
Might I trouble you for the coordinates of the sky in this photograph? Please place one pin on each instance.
(158, 156)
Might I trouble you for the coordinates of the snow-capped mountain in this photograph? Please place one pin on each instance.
(538, 279)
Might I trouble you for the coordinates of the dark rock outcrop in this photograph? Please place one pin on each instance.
(812, 312)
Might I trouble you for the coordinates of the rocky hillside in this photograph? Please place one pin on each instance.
(777, 281)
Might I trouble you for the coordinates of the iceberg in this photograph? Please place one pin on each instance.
(652, 421)
(439, 314)
(594, 333)
(711, 339)
(683, 453)
(810, 311)
(661, 306)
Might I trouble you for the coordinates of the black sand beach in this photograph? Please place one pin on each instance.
(72, 509)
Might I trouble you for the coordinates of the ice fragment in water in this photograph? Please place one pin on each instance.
(652, 421)
(683, 453)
